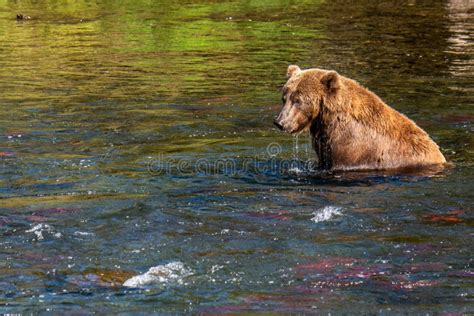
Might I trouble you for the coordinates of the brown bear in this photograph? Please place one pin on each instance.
(351, 128)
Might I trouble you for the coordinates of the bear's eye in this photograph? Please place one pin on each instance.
(296, 102)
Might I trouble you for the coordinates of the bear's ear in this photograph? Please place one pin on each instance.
(331, 81)
(293, 70)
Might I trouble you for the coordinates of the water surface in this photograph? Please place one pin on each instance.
(136, 139)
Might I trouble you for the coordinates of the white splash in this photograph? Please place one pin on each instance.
(171, 272)
(79, 233)
(296, 170)
(39, 229)
(216, 268)
(326, 213)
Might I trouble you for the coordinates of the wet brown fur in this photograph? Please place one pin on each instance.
(351, 127)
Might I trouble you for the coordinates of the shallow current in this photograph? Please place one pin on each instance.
(140, 171)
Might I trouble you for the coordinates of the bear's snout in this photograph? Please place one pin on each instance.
(284, 124)
(288, 124)
(277, 123)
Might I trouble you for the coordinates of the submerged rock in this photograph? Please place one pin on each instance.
(21, 17)
(97, 277)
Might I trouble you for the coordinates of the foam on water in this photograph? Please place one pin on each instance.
(326, 213)
(173, 272)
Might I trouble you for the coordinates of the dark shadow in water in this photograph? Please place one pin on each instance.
(275, 171)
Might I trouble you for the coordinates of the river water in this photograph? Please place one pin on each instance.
(140, 171)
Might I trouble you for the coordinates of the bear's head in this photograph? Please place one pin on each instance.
(303, 95)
